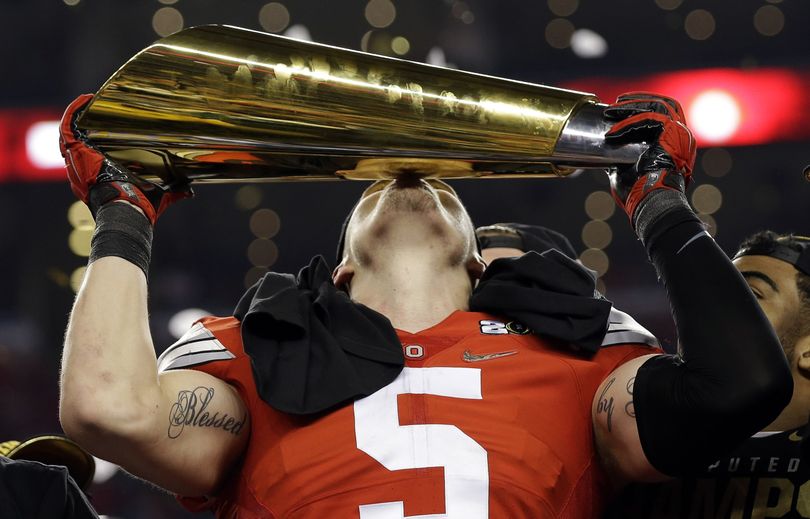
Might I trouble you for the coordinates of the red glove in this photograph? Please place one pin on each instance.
(667, 164)
(97, 180)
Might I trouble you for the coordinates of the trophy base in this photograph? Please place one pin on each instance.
(390, 168)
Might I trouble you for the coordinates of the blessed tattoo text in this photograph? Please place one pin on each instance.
(191, 409)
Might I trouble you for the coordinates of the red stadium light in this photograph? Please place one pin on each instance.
(29, 146)
(41, 145)
(714, 116)
(724, 106)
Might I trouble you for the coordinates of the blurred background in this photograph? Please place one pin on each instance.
(741, 69)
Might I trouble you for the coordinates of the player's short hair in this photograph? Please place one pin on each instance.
(792, 249)
(523, 237)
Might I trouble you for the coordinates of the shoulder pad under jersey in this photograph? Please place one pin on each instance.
(623, 329)
(197, 346)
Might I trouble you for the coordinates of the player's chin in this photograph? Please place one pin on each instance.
(416, 199)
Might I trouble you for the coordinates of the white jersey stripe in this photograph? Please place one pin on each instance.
(195, 359)
(197, 346)
(629, 338)
(623, 329)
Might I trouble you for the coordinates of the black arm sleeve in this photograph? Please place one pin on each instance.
(730, 377)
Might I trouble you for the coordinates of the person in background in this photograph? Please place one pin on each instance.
(510, 240)
(768, 475)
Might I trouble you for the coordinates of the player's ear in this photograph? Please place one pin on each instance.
(803, 355)
(342, 275)
(476, 266)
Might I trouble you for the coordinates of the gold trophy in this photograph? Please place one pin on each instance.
(224, 104)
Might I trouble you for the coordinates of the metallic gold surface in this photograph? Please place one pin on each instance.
(223, 104)
(54, 450)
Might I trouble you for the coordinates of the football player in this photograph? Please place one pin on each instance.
(767, 476)
(382, 396)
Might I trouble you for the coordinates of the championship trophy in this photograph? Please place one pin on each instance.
(224, 104)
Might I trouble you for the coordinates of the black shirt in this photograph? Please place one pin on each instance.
(765, 477)
(32, 490)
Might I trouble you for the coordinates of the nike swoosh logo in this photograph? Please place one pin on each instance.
(795, 437)
(471, 357)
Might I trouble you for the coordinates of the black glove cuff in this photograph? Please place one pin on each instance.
(122, 231)
(660, 210)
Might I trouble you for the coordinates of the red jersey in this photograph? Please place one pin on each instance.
(486, 420)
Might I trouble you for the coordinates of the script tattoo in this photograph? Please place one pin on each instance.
(190, 409)
(629, 407)
(605, 405)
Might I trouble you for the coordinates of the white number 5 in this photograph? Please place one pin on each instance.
(398, 447)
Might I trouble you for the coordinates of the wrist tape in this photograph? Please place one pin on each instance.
(122, 231)
(655, 208)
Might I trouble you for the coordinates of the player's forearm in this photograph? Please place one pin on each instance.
(731, 378)
(109, 374)
(719, 323)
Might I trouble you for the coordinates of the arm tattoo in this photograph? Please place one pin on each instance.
(605, 405)
(190, 409)
(629, 407)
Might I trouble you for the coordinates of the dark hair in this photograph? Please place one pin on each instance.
(769, 240)
(523, 237)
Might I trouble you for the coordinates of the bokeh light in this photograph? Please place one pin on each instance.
(377, 42)
(707, 199)
(298, 32)
(436, 56)
(600, 205)
(380, 13)
(714, 115)
(42, 145)
(588, 44)
(262, 252)
(167, 20)
(563, 7)
(559, 32)
(595, 259)
(716, 162)
(79, 216)
(274, 17)
(265, 223)
(769, 20)
(400, 45)
(79, 242)
(699, 24)
(248, 198)
(597, 234)
(180, 322)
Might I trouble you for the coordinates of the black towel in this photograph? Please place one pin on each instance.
(313, 348)
(550, 293)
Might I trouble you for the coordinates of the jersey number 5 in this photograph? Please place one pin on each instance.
(398, 447)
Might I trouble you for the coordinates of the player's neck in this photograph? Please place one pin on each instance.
(413, 289)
